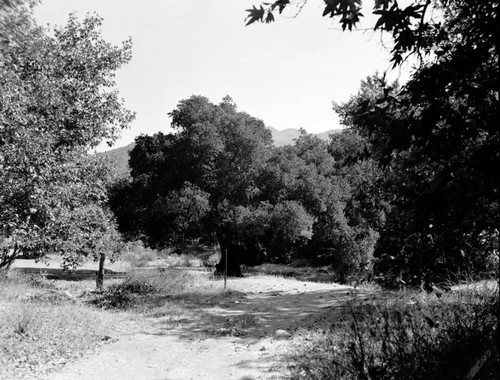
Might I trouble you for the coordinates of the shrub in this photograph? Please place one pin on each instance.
(138, 255)
(409, 338)
(145, 283)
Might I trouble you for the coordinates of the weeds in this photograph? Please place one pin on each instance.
(38, 335)
(136, 255)
(406, 338)
(302, 273)
(150, 288)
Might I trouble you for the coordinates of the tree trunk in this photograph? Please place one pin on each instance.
(100, 272)
(233, 262)
(7, 258)
(233, 266)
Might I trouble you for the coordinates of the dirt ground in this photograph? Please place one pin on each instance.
(238, 340)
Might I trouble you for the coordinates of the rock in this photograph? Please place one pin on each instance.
(282, 334)
(24, 297)
(68, 294)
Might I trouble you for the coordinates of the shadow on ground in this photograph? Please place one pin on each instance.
(261, 315)
(69, 275)
(253, 320)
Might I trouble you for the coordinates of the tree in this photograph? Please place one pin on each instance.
(409, 26)
(218, 179)
(439, 134)
(440, 139)
(188, 183)
(57, 102)
(313, 174)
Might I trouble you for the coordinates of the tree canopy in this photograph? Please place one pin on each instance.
(436, 138)
(218, 178)
(57, 102)
(412, 27)
(439, 137)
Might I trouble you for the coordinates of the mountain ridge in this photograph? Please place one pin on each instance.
(119, 156)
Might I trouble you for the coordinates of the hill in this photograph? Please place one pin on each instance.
(287, 136)
(119, 156)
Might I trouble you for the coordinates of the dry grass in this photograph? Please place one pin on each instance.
(40, 330)
(405, 335)
(136, 255)
(44, 323)
(302, 273)
(143, 290)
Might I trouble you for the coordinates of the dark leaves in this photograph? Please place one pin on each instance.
(255, 14)
(269, 17)
(280, 4)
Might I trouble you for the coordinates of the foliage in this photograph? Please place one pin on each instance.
(438, 139)
(144, 283)
(183, 183)
(57, 103)
(314, 174)
(408, 25)
(144, 290)
(219, 179)
(409, 337)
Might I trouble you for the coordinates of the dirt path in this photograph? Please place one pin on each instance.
(232, 341)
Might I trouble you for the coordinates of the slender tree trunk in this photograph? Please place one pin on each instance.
(7, 258)
(100, 272)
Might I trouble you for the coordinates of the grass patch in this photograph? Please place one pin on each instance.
(39, 334)
(136, 255)
(410, 336)
(144, 289)
(302, 273)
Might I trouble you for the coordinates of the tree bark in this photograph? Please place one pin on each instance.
(100, 272)
(233, 262)
(7, 258)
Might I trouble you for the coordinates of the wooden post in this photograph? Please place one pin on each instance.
(100, 272)
(225, 269)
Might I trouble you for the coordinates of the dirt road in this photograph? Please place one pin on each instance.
(233, 341)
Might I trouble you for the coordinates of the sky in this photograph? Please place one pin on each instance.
(286, 73)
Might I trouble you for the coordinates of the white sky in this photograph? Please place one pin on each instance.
(286, 73)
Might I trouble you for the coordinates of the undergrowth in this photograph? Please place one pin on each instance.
(407, 337)
(153, 288)
(38, 334)
(302, 273)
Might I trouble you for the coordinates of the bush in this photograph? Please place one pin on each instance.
(145, 283)
(137, 255)
(409, 338)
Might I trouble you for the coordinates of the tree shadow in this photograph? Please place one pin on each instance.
(68, 275)
(256, 317)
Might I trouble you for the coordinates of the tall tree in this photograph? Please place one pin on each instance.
(57, 102)
(219, 179)
(440, 137)
(197, 176)
(313, 174)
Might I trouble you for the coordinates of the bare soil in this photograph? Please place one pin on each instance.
(244, 339)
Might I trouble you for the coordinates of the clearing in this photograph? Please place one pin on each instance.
(245, 338)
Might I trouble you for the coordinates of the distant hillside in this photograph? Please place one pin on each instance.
(286, 137)
(119, 157)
